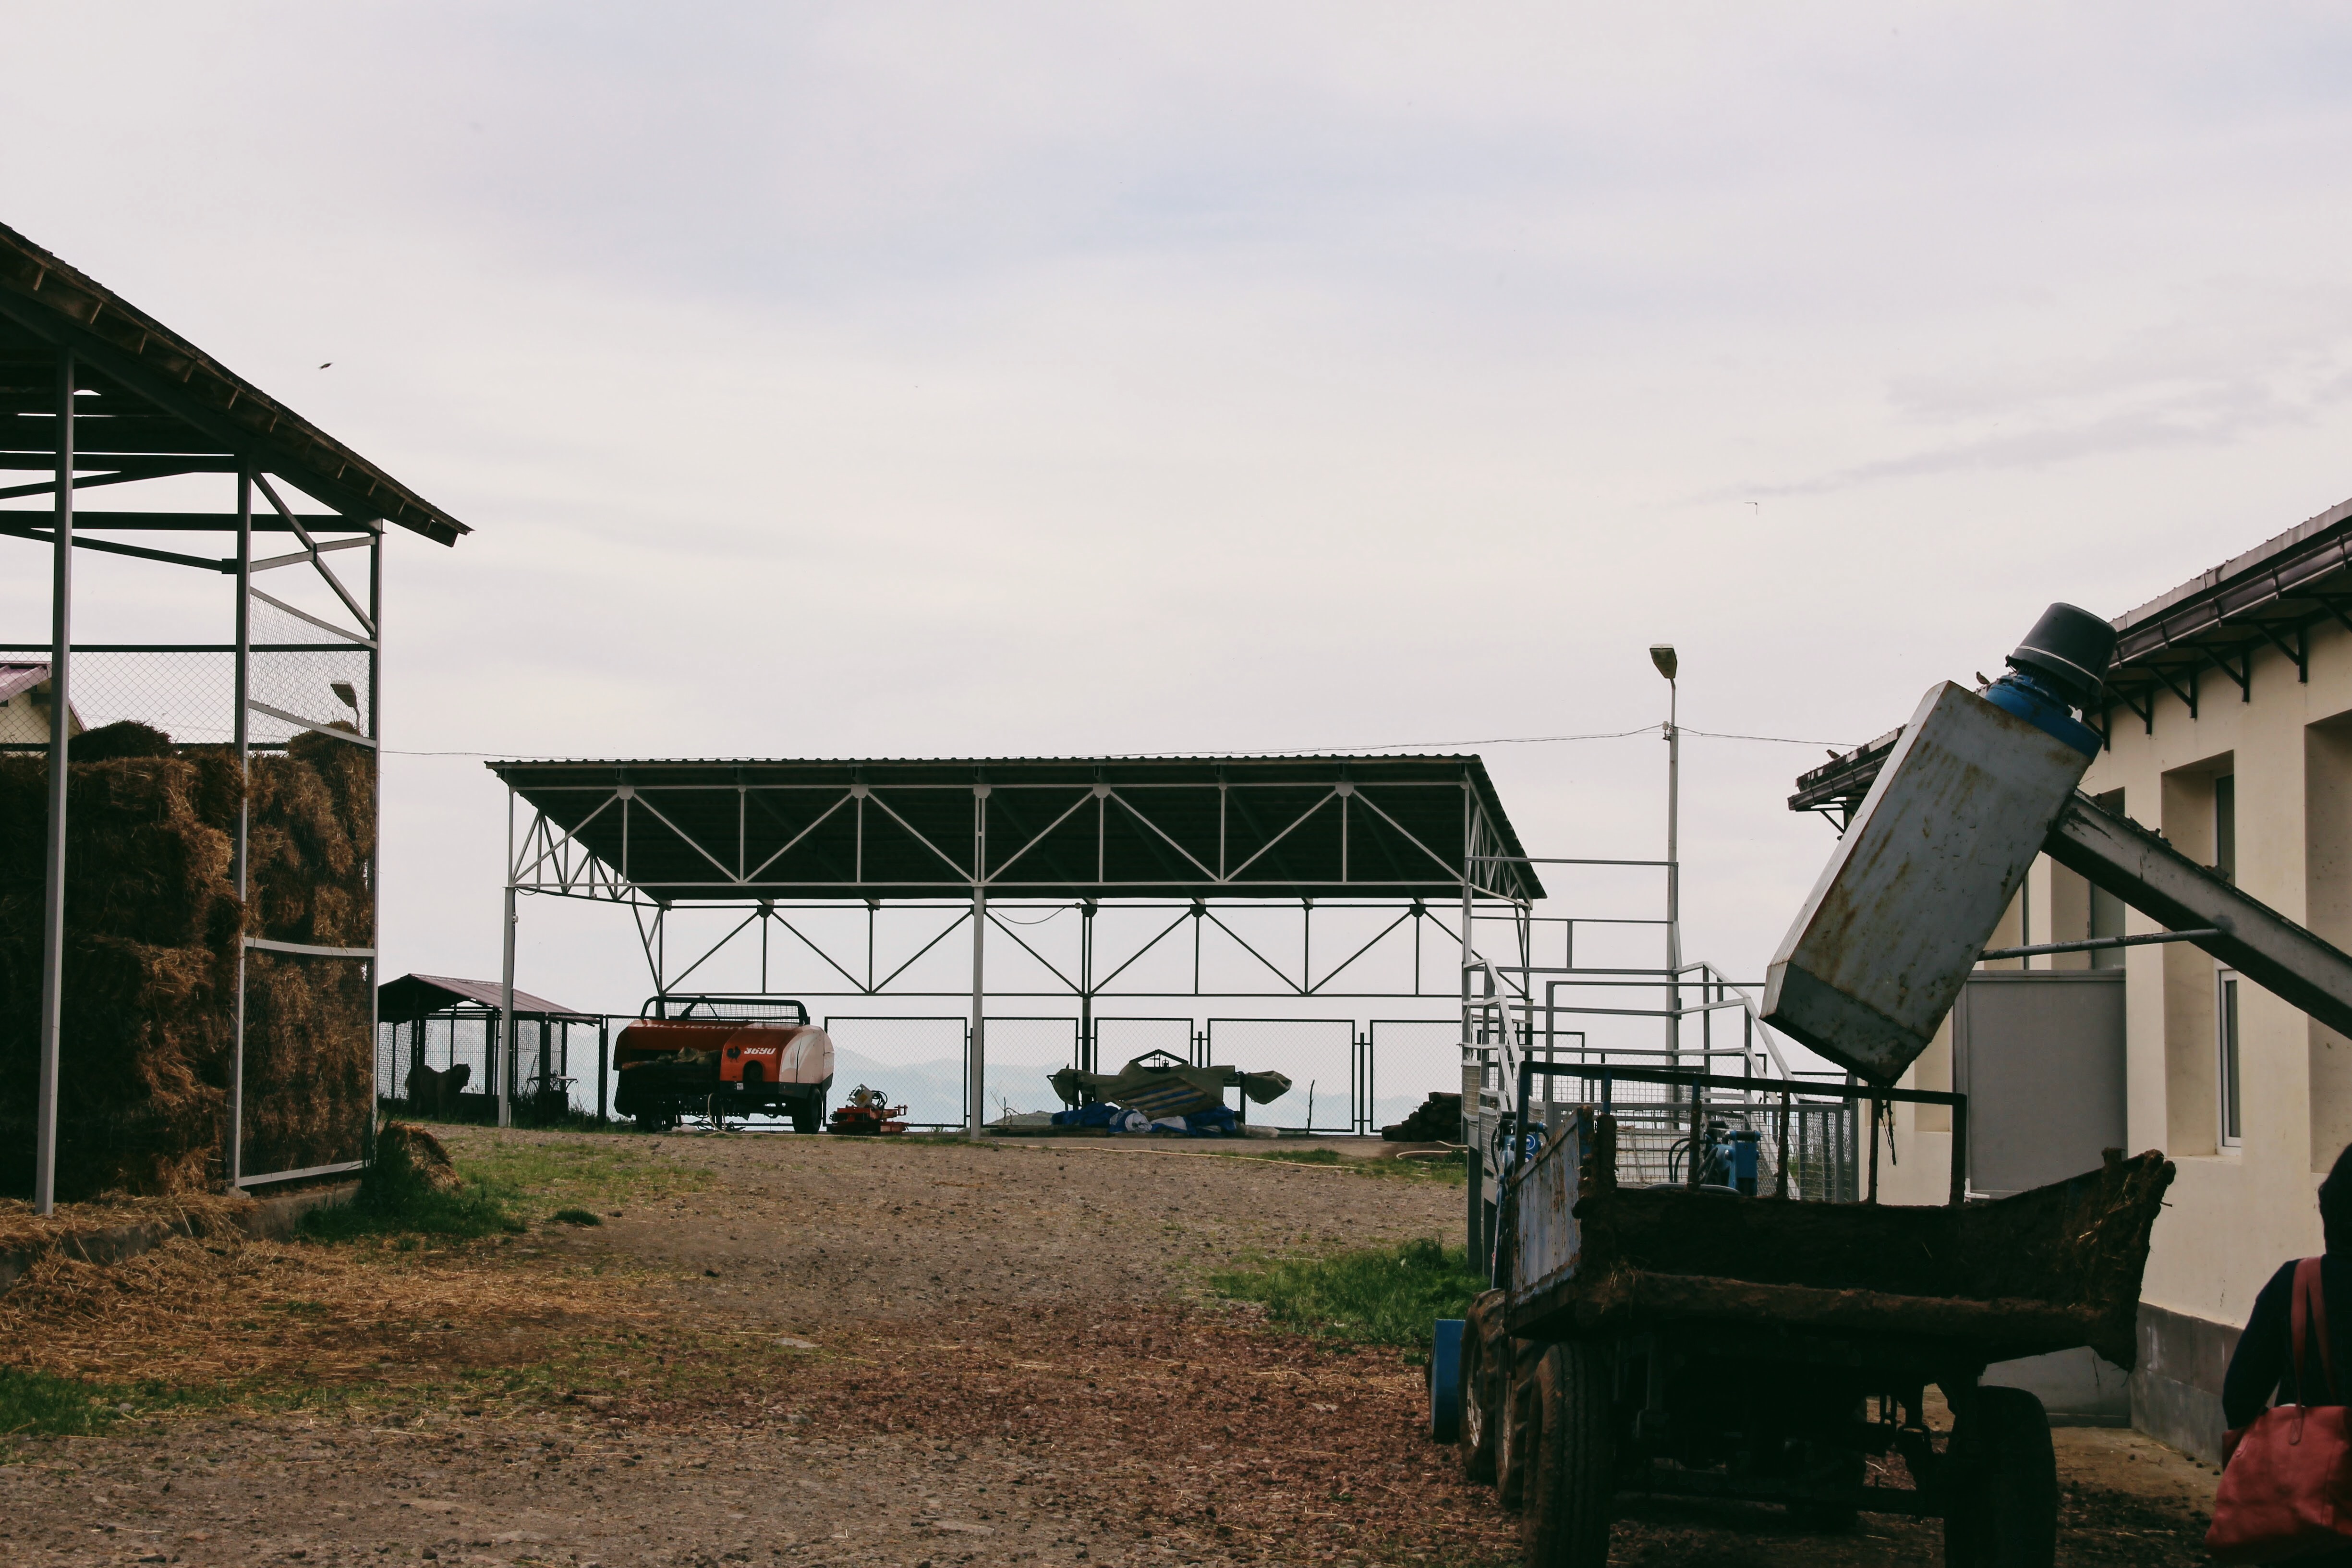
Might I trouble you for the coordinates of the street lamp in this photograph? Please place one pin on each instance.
(1663, 656)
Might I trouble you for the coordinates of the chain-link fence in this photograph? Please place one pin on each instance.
(439, 1067)
(1119, 1041)
(1321, 1057)
(916, 1062)
(1406, 1060)
(189, 694)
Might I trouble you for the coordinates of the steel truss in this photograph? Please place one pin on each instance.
(548, 857)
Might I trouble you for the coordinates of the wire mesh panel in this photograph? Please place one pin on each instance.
(919, 1063)
(1406, 1060)
(437, 1068)
(1320, 1055)
(1024, 1054)
(1119, 1041)
(189, 694)
(308, 1063)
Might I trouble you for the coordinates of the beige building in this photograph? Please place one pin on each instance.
(25, 706)
(2229, 731)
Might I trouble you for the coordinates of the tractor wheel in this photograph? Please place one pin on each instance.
(2001, 1508)
(1482, 1413)
(1570, 1471)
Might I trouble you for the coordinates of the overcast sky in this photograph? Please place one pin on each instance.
(876, 380)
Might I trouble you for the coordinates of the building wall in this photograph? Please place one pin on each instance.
(26, 721)
(2236, 1212)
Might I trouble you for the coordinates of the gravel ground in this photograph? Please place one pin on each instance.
(892, 1353)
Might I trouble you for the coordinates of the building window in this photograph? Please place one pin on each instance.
(2226, 1032)
(2106, 910)
(2225, 827)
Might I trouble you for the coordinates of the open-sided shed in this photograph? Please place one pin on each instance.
(97, 395)
(1183, 834)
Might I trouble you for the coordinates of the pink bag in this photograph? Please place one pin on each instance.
(2286, 1480)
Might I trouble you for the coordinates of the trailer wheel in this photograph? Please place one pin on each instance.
(1483, 1355)
(2002, 1506)
(1515, 1444)
(808, 1116)
(1570, 1471)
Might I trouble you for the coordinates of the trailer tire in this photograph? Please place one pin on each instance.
(1570, 1469)
(1482, 1352)
(2002, 1509)
(1515, 1444)
(808, 1116)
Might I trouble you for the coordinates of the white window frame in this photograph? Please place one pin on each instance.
(2229, 1061)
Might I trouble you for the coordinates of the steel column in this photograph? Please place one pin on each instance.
(53, 911)
(375, 834)
(502, 1058)
(234, 1160)
(976, 1066)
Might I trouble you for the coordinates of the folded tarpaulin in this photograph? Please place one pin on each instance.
(1159, 1085)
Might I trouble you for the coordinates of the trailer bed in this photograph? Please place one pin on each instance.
(2049, 1270)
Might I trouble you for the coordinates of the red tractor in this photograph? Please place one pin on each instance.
(723, 1057)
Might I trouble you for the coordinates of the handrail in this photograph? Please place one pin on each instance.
(1608, 1076)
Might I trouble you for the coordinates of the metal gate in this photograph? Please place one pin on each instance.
(923, 1064)
(1119, 1041)
(1324, 1058)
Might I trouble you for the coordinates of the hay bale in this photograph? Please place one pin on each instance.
(153, 929)
(406, 1145)
(124, 738)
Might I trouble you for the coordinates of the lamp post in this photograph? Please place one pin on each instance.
(1663, 656)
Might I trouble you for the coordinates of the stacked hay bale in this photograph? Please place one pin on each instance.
(152, 930)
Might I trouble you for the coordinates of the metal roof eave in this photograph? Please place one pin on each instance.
(568, 793)
(67, 307)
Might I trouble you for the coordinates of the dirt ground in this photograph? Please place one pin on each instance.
(811, 1351)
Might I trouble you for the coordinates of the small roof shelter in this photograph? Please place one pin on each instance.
(415, 997)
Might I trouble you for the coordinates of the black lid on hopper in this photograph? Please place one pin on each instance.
(2071, 648)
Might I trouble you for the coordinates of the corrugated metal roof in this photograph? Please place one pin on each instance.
(16, 677)
(1290, 826)
(139, 367)
(413, 997)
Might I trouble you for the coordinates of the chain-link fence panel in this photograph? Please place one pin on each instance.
(1024, 1054)
(1406, 1060)
(1320, 1055)
(189, 694)
(1119, 1041)
(438, 1068)
(919, 1063)
(308, 1063)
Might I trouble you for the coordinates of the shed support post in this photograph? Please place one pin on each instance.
(1475, 1193)
(502, 1058)
(976, 1056)
(375, 828)
(603, 1053)
(233, 1161)
(53, 908)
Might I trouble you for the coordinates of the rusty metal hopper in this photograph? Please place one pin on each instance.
(1879, 951)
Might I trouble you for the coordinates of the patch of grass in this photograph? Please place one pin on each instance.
(36, 1401)
(543, 1175)
(1374, 1295)
(1453, 1169)
(574, 1216)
